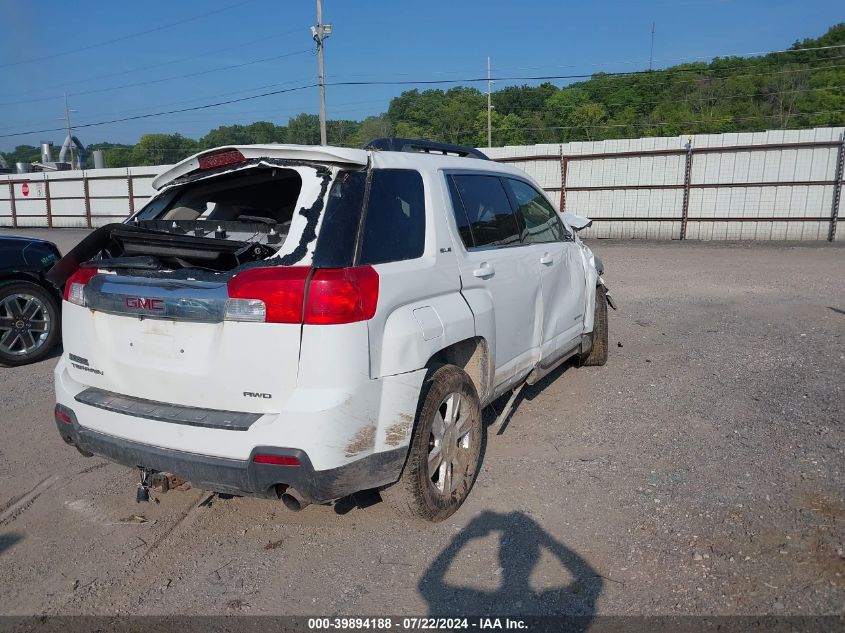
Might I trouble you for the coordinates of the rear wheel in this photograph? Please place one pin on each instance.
(29, 322)
(598, 352)
(445, 452)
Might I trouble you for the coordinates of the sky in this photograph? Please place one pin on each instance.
(122, 59)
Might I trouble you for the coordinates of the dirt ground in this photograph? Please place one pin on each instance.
(699, 472)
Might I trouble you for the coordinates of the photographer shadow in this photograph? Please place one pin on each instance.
(521, 542)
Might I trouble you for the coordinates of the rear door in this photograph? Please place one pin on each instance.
(561, 269)
(499, 276)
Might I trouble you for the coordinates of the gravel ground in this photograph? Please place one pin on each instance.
(699, 472)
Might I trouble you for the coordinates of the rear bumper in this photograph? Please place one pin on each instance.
(241, 477)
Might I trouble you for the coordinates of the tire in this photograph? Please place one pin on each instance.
(597, 355)
(30, 322)
(422, 493)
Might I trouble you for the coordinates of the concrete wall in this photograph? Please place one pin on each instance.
(775, 185)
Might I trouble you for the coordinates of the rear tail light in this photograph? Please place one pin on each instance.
(276, 460)
(342, 295)
(221, 159)
(64, 415)
(278, 295)
(75, 285)
(271, 295)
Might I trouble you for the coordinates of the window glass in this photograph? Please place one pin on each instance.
(394, 226)
(460, 214)
(488, 210)
(541, 223)
(339, 230)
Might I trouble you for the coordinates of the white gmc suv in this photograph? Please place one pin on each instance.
(303, 322)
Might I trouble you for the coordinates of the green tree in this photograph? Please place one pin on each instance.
(587, 118)
(371, 128)
(304, 129)
(162, 149)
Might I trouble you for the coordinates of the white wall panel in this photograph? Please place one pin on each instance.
(611, 180)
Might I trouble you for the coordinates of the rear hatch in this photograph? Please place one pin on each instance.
(197, 300)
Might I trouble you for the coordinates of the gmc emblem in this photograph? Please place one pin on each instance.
(142, 303)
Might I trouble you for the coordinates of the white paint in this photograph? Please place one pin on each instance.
(339, 392)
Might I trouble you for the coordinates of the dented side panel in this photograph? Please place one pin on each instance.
(591, 280)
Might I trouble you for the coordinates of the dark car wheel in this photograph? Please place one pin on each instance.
(597, 355)
(30, 322)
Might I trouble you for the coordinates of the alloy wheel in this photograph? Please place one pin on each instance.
(451, 444)
(24, 324)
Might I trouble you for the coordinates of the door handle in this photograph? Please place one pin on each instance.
(547, 259)
(486, 270)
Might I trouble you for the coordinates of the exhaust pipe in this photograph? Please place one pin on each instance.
(293, 500)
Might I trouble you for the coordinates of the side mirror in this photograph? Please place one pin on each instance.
(577, 222)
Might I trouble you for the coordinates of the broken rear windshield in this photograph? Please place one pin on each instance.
(268, 195)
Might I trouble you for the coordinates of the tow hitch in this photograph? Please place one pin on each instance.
(143, 492)
(158, 481)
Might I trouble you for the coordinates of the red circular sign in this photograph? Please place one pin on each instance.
(25, 188)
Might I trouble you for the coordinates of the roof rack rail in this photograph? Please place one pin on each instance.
(397, 144)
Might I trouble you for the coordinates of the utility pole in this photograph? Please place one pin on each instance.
(319, 33)
(69, 130)
(489, 107)
(651, 55)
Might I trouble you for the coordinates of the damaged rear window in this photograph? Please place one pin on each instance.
(267, 195)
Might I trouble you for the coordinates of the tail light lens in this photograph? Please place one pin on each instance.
(64, 415)
(278, 295)
(342, 295)
(221, 159)
(271, 295)
(276, 460)
(75, 285)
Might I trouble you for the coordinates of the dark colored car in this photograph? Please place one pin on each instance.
(30, 317)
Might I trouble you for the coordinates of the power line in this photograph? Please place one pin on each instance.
(543, 77)
(155, 114)
(398, 82)
(595, 89)
(699, 58)
(272, 114)
(631, 61)
(662, 73)
(127, 71)
(147, 109)
(125, 37)
(163, 79)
